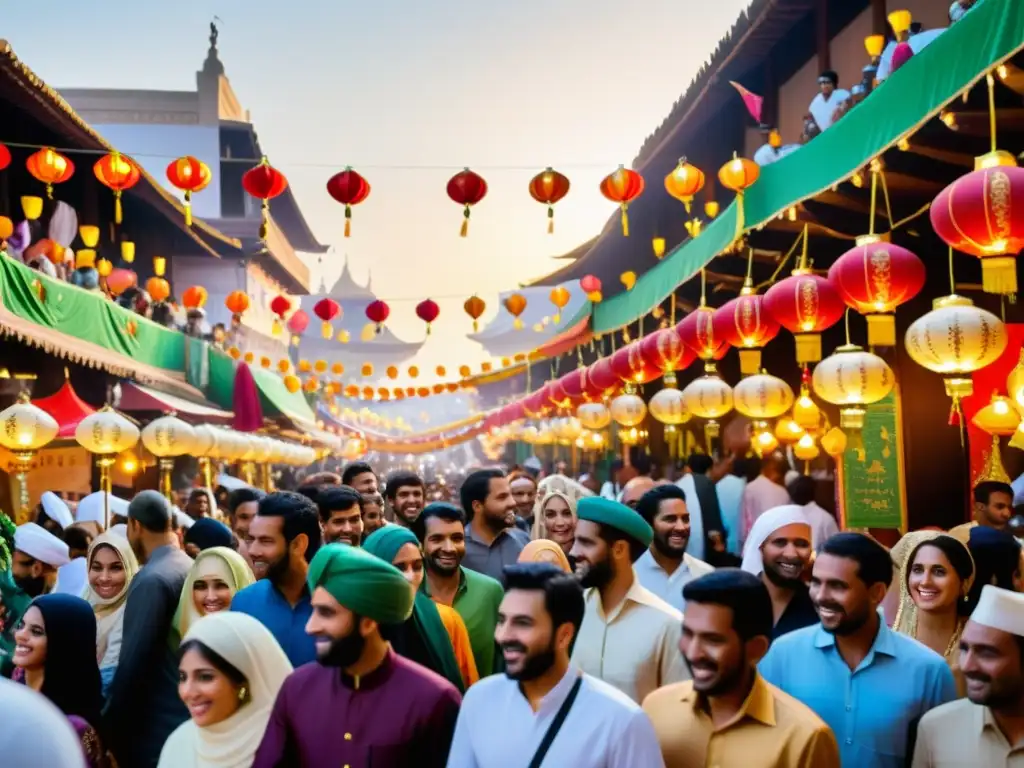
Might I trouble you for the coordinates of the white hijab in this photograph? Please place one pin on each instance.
(34, 731)
(250, 648)
(765, 525)
(110, 612)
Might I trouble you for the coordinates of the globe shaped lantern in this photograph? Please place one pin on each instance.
(874, 278)
(762, 397)
(955, 339)
(744, 323)
(601, 379)
(852, 379)
(167, 438)
(628, 409)
(664, 350)
(667, 405)
(710, 398)
(806, 449)
(804, 304)
(205, 449)
(594, 416)
(105, 434)
(24, 429)
(697, 330)
(630, 365)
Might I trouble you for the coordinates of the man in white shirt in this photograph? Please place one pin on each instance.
(765, 492)
(547, 711)
(828, 100)
(666, 567)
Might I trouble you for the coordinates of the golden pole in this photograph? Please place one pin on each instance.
(23, 460)
(105, 462)
(166, 486)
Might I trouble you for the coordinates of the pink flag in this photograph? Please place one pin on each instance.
(752, 101)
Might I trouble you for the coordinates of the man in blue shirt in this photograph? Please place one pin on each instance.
(283, 537)
(870, 684)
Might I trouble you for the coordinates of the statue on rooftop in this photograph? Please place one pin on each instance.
(213, 34)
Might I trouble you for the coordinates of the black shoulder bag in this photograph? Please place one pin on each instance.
(556, 725)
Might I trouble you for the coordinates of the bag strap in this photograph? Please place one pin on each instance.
(556, 725)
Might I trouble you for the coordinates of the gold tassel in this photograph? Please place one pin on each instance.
(625, 220)
(264, 220)
(348, 221)
(464, 230)
(518, 324)
(476, 326)
(326, 330)
(118, 216)
(551, 220)
(188, 208)
(999, 275)
(740, 218)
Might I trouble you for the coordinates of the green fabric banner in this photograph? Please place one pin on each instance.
(985, 37)
(274, 397)
(88, 316)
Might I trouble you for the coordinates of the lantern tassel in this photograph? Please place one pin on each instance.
(518, 324)
(999, 275)
(188, 208)
(326, 329)
(476, 326)
(275, 328)
(740, 218)
(348, 221)
(118, 215)
(551, 220)
(625, 220)
(49, 191)
(264, 220)
(464, 230)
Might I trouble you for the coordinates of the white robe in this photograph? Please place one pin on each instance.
(823, 109)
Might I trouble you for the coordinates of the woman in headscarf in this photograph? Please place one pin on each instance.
(230, 672)
(212, 583)
(555, 520)
(545, 551)
(112, 566)
(935, 578)
(207, 533)
(23, 711)
(55, 655)
(435, 635)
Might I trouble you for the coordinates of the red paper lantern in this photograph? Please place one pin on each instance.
(120, 280)
(427, 311)
(280, 306)
(601, 379)
(980, 214)
(190, 175)
(237, 302)
(194, 297)
(50, 167)
(697, 330)
(5, 156)
(475, 307)
(630, 366)
(548, 187)
(516, 305)
(684, 182)
(804, 304)
(348, 188)
(297, 325)
(745, 324)
(623, 186)
(117, 172)
(264, 182)
(574, 384)
(378, 312)
(158, 289)
(557, 396)
(467, 189)
(874, 278)
(536, 405)
(590, 284)
(327, 310)
(664, 350)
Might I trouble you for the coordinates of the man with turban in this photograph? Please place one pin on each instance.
(361, 704)
(37, 556)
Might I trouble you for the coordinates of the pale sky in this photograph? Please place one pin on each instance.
(408, 92)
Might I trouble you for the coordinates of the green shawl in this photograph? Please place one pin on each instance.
(15, 602)
(425, 620)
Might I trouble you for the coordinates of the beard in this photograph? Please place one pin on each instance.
(776, 578)
(848, 623)
(661, 544)
(276, 570)
(725, 682)
(596, 575)
(442, 569)
(534, 664)
(342, 652)
(33, 586)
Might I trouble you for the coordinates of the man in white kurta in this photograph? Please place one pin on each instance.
(828, 100)
(630, 636)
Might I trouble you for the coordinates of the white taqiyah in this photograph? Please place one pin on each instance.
(56, 509)
(90, 509)
(1000, 609)
(37, 542)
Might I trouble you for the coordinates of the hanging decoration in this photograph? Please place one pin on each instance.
(5, 156)
(628, 280)
(762, 397)
(190, 175)
(377, 312)
(559, 296)
(117, 172)
(658, 246)
(668, 405)
(264, 182)
(631, 367)
(852, 379)
(684, 183)
(709, 398)
(475, 307)
(628, 409)
(194, 297)
(50, 167)
(739, 174)
(594, 416)
(591, 286)
(744, 323)
(348, 188)
(697, 330)
(622, 187)
(280, 306)
(665, 351)
(297, 325)
(237, 302)
(158, 289)
(466, 188)
(327, 310)
(427, 311)
(547, 188)
(515, 305)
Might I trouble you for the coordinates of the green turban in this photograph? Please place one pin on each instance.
(617, 516)
(364, 584)
(385, 542)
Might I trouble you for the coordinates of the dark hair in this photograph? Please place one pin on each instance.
(563, 594)
(983, 491)
(337, 498)
(152, 511)
(477, 487)
(743, 592)
(996, 560)
(399, 479)
(642, 464)
(777, 461)
(611, 535)
(802, 490)
(367, 499)
(957, 554)
(830, 75)
(311, 491)
(650, 502)
(77, 538)
(874, 564)
(241, 496)
(747, 467)
(218, 662)
(442, 510)
(299, 514)
(207, 533)
(616, 465)
(354, 470)
(700, 463)
(197, 493)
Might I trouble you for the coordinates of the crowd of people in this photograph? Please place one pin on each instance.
(530, 621)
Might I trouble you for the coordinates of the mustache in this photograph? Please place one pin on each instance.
(703, 664)
(828, 606)
(978, 677)
(511, 645)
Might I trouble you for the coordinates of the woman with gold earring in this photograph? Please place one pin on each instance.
(936, 574)
(230, 672)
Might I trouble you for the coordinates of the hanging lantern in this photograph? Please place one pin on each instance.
(427, 311)
(806, 413)
(190, 175)
(628, 280)
(466, 188)
(297, 325)
(158, 289)
(658, 246)
(120, 280)
(264, 182)
(697, 330)
(559, 296)
(852, 379)
(280, 306)
(628, 409)
(665, 351)
(167, 438)
(194, 297)
(762, 440)
(117, 173)
(591, 286)
(1015, 382)
(516, 305)
(547, 188)
(348, 188)
(327, 310)
(292, 383)
(5, 156)
(32, 207)
(237, 302)
(874, 278)
(668, 406)
(787, 431)
(377, 312)
(684, 183)
(6, 230)
(50, 167)
(475, 307)
(806, 449)
(762, 396)
(601, 379)
(804, 304)
(955, 339)
(710, 398)
(594, 416)
(745, 324)
(1000, 417)
(623, 186)
(739, 174)
(631, 367)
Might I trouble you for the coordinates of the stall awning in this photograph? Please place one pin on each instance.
(277, 401)
(135, 397)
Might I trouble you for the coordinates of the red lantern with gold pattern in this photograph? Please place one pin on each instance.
(745, 324)
(475, 307)
(874, 278)
(50, 167)
(623, 186)
(574, 384)
(428, 311)
(548, 187)
(982, 214)
(557, 396)
(630, 366)
(467, 189)
(327, 310)
(190, 175)
(804, 304)
(264, 182)
(697, 330)
(117, 172)
(536, 404)
(664, 350)
(348, 188)
(601, 379)
(377, 312)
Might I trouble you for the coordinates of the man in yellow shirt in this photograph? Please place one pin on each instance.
(729, 715)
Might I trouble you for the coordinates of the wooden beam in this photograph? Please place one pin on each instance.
(943, 156)
(821, 25)
(879, 17)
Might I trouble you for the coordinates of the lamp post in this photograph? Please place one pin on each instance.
(24, 429)
(167, 438)
(105, 434)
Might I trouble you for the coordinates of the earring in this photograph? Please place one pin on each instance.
(242, 693)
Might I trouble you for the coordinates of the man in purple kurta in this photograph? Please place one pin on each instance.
(361, 705)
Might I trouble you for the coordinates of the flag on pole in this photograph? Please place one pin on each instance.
(752, 101)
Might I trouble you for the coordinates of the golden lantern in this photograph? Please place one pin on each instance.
(628, 409)
(834, 442)
(711, 209)
(127, 251)
(684, 182)
(567, 428)
(90, 235)
(762, 396)
(1015, 382)
(806, 449)
(852, 378)
(999, 417)
(900, 22)
(628, 280)
(205, 449)
(955, 339)
(667, 405)
(105, 434)
(594, 416)
(24, 429)
(32, 207)
(806, 412)
(710, 398)
(763, 441)
(167, 438)
(788, 430)
(874, 45)
(658, 245)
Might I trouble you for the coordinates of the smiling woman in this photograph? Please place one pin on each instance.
(112, 566)
(216, 576)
